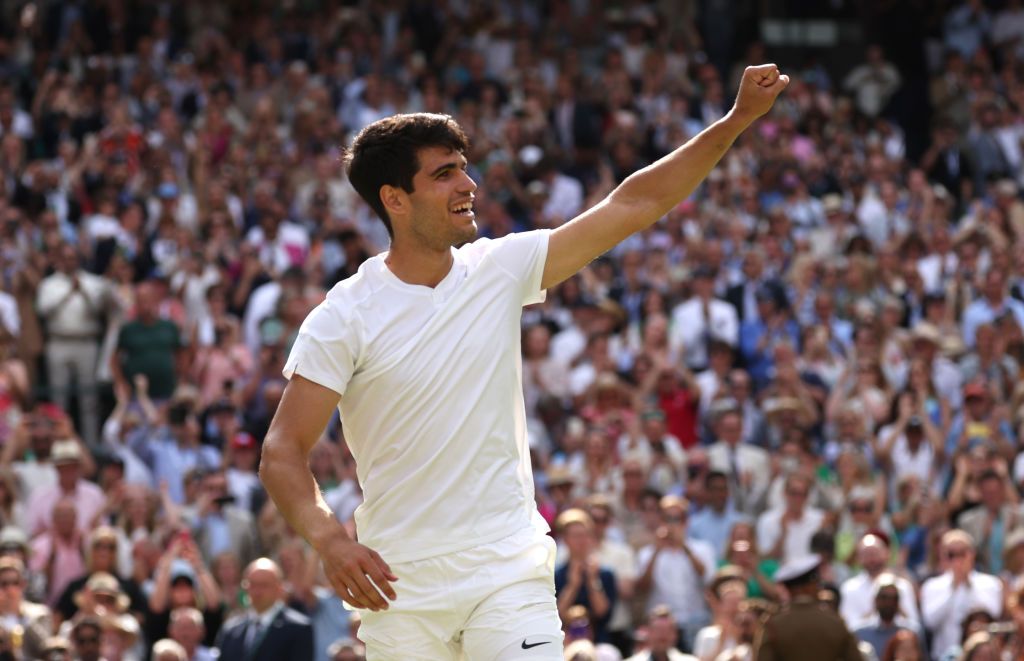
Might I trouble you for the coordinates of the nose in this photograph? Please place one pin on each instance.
(467, 185)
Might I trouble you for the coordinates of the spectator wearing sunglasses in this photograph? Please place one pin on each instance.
(35, 620)
(947, 598)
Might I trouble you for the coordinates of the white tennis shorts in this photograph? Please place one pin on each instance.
(476, 604)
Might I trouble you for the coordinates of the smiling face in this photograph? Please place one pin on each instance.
(439, 210)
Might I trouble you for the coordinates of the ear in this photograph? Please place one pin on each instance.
(395, 200)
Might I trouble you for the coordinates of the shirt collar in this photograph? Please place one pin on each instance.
(268, 617)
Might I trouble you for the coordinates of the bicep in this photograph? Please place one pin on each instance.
(305, 409)
(588, 236)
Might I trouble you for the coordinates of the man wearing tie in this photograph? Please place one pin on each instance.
(269, 630)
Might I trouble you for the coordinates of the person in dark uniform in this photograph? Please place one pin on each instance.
(803, 630)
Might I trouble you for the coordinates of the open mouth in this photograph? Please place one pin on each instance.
(464, 209)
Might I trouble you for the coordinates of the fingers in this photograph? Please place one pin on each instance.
(384, 567)
(361, 588)
(364, 581)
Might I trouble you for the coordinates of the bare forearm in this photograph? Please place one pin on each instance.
(657, 188)
(289, 482)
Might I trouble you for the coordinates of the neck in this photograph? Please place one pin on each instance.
(419, 265)
(265, 610)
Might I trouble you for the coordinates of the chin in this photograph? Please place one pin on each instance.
(465, 235)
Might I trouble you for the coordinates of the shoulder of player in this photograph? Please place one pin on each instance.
(350, 294)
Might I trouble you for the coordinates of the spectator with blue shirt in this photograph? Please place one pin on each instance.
(714, 522)
(172, 450)
(994, 302)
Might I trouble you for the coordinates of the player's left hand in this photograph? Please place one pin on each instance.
(759, 88)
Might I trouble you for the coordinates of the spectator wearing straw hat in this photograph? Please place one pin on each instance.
(66, 456)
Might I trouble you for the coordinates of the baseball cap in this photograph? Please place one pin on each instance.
(243, 441)
(167, 190)
(975, 389)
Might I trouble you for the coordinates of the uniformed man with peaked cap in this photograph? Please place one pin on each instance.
(803, 630)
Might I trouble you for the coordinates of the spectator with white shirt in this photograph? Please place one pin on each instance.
(75, 305)
(857, 593)
(702, 318)
(784, 533)
(947, 598)
(675, 569)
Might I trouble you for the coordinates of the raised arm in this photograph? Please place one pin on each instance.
(648, 194)
(306, 408)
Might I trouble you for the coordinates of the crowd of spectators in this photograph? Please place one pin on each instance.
(818, 352)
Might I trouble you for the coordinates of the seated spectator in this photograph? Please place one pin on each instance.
(122, 424)
(12, 507)
(122, 637)
(785, 533)
(182, 580)
(993, 521)
(34, 620)
(102, 556)
(947, 598)
(171, 450)
(747, 466)
(241, 457)
(757, 571)
(859, 593)
(66, 456)
(728, 590)
(581, 580)
(188, 629)
(879, 629)
(217, 523)
(675, 569)
(714, 521)
(57, 553)
(662, 638)
(166, 649)
(86, 638)
(620, 558)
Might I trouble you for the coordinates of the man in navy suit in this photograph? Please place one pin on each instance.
(269, 631)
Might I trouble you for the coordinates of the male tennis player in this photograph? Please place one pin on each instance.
(420, 351)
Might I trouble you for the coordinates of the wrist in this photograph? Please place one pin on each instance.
(739, 120)
(329, 537)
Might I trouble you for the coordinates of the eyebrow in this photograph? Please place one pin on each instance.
(448, 166)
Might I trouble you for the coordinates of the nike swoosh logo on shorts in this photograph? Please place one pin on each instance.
(526, 647)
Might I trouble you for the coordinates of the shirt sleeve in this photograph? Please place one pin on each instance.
(523, 256)
(325, 349)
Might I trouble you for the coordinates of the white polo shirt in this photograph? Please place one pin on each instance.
(432, 397)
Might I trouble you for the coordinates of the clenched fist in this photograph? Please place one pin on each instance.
(759, 88)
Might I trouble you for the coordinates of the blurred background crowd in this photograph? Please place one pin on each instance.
(817, 353)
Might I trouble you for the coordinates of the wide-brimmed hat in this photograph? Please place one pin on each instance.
(103, 583)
